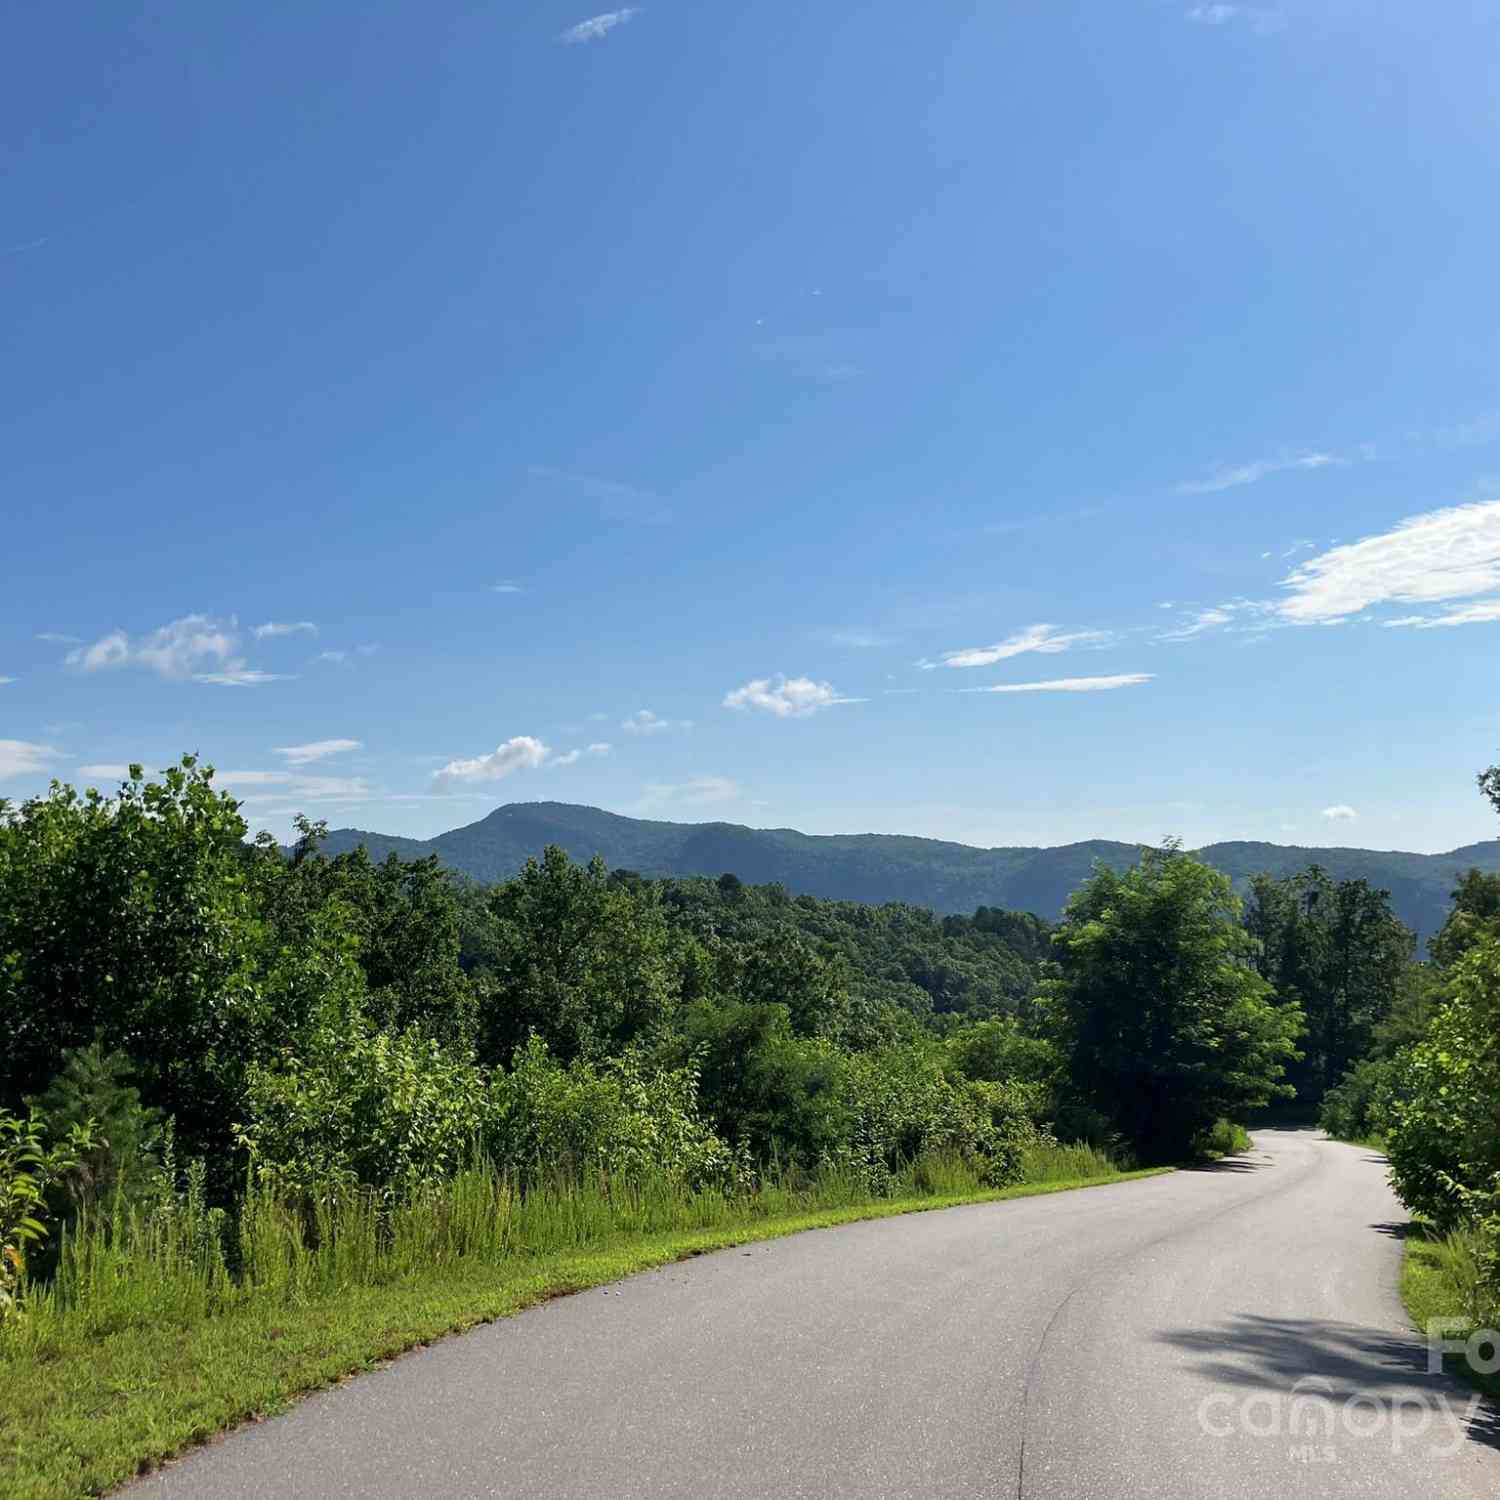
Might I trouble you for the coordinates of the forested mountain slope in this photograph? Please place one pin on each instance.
(945, 877)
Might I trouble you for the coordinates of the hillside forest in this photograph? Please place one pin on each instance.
(224, 1059)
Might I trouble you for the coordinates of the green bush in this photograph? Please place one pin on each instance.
(1358, 1108)
(619, 1118)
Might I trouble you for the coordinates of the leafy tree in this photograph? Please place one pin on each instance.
(1167, 1024)
(581, 961)
(29, 1167)
(1475, 913)
(132, 919)
(1336, 948)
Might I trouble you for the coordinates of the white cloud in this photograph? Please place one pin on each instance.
(1223, 15)
(108, 772)
(21, 758)
(176, 650)
(1203, 619)
(599, 747)
(787, 697)
(522, 753)
(338, 658)
(1069, 684)
(301, 755)
(506, 588)
(643, 721)
(574, 756)
(1483, 612)
(274, 628)
(196, 647)
(1043, 639)
(1340, 812)
(298, 788)
(57, 638)
(701, 791)
(1228, 479)
(240, 676)
(596, 28)
(1444, 554)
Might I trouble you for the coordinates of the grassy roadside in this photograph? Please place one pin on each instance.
(79, 1420)
(1439, 1279)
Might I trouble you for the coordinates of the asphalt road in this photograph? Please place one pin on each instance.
(1229, 1332)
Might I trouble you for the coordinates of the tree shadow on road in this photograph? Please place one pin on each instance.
(1227, 1164)
(1347, 1360)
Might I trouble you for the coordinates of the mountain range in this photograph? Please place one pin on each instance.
(879, 867)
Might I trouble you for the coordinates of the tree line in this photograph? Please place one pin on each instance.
(184, 1010)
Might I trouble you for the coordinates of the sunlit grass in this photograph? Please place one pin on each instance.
(156, 1334)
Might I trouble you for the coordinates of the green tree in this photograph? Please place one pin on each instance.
(1475, 913)
(1337, 949)
(580, 960)
(1167, 1024)
(131, 918)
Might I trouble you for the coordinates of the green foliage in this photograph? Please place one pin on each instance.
(620, 1118)
(1475, 914)
(1167, 1024)
(1222, 1138)
(1444, 1134)
(1336, 949)
(28, 1168)
(581, 961)
(358, 1105)
(1358, 1107)
(132, 919)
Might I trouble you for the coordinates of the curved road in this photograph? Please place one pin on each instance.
(1228, 1332)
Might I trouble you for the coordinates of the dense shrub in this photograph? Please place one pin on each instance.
(618, 1118)
(1359, 1107)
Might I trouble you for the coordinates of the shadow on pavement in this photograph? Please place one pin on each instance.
(1347, 1360)
(1404, 1230)
(1227, 1164)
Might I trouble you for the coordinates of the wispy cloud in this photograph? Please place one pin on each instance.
(506, 588)
(1046, 640)
(1484, 612)
(314, 750)
(643, 721)
(854, 639)
(334, 658)
(700, 791)
(57, 638)
(241, 677)
(1340, 812)
(1252, 473)
(22, 758)
(295, 786)
(594, 751)
(110, 772)
(596, 28)
(621, 502)
(274, 628)
(787, 697)
(1426, 559)
(1257, 18)
(176, 650)
(1199, 622)
(1069, 684)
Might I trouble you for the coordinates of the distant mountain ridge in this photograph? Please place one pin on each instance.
(878, 867)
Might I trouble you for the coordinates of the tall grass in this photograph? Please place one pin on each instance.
(182, 1263)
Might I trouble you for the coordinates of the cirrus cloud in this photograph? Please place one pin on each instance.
(1043, 639)
(596, 28)
(1069, 684)
(1441, 555)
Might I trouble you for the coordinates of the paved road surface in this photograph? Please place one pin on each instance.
(1146, 1339)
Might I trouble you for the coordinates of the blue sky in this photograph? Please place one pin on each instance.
(1006, 422)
